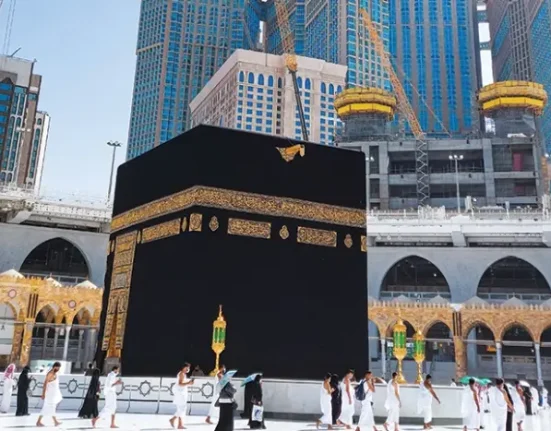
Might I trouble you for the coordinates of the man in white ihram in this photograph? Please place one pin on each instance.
(424, 402)
(393, 403)
(499, 402)
(110, 394)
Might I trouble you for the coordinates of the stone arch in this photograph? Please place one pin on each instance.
(8, 317)
(57, 256)
(439, 343)
(478, 323)
(515, 324)
(432, 324)
(48, 313)
(82, 316)
(520, 333)
(512, 276)
(545, 342)
(414, 275)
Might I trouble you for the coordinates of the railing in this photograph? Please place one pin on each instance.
(66, 280)
(414, 295)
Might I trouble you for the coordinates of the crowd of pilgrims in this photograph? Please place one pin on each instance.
(507, 404)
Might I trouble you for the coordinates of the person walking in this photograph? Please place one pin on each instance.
(22, 393)
(364, 393)
(500, 404)
(110, 394)
(180, 395)
(51, 394)
(89, 409)
(227, 404)
(325, 401)
(470, 407)
(424, 405)
(348, 401)
(9, 382)
(393, 403)
(213, 410)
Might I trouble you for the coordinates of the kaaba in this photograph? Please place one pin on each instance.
(267, 230)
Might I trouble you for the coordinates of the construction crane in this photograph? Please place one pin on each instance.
(421, 146)
(288, 43)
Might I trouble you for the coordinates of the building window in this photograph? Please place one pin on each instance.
(270, 81)
(241, 77)
(260, 79)
(307, 84)
(251, 78)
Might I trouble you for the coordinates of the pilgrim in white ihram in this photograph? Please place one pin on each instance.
(110, 395)
(9, 382)
(325, 402)
(348, 401)
(393, 403)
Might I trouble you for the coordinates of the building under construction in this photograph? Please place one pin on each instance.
(505, 166)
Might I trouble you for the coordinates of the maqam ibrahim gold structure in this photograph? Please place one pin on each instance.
(461, 319)
(28, 297)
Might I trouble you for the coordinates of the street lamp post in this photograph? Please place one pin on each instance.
(114, 145)
(456, 158)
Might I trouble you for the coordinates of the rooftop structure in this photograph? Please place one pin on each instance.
(365, 111)
(513, 105)
(253, 91)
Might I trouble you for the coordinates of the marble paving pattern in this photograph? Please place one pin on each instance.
(145, 422)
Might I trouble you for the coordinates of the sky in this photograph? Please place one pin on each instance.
(85, 51)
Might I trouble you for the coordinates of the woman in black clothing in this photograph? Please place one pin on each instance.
(336, 398)
(22, 389)
(247, 399)
(227, 405)
(89, 409)
(256, 400)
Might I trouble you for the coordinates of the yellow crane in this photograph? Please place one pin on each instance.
(288, 44)
(421, 150)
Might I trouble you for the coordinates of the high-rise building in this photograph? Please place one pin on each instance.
(181, 44)
(520, 31)
(253, 91)
(23, 129)
(434, 46)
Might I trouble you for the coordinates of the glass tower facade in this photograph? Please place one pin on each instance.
(181, 44)
(520, 31)
(433, 45)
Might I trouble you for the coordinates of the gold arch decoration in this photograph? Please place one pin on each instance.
(460, 319)
(28, 296)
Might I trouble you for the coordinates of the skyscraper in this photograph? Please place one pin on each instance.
(23, 129)
(181, 44)
(433, 45)
(520, 32)
(435, 49)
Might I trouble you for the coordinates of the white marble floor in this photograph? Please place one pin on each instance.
(144, 422)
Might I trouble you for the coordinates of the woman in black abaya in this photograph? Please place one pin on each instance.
(256, 400)
(89, 409)
(227, 406)
(22, 396)
(336, 398)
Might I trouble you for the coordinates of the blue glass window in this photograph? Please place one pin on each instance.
(260, 79)
(308, 84)
(270, 81)
(241, 77)
(251, 78)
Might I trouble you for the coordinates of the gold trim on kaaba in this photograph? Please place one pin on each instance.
(326, 238)
(184, 224)
(139, 240)
(242, 202)
(364, 243)
(213, 224)
(284, 232)
(195, 222)
(162, 230)
(256, 229)
(348, 241)
(121, 278)
(289, 153)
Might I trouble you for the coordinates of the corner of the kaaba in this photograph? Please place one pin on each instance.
(271, 229)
